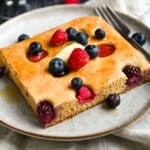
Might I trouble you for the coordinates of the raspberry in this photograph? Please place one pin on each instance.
(85, 95)
(106, 50)
(72, 1)
(78, 59)
(59, 37)
(46, 112)
(131, 71)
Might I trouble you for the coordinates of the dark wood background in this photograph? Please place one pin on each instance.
(11, 8)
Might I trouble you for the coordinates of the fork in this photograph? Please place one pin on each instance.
(112, 18)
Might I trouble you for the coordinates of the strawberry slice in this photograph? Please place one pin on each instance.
(38, 57)
(106, 50)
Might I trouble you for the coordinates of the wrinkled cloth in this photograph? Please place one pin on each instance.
(133, 137)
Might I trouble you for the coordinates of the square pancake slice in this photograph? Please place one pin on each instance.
(52, 98)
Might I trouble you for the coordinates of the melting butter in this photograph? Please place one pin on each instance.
(10, 94)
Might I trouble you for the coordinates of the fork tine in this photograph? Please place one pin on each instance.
(102, 11)
(97, 12)
(112, 22)
(118, 20)
(102, 14)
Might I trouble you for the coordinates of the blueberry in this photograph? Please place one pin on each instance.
(58, 67)
(82, 38)
(139, 38)
(113, 100)
(76, 83)
(92, 50)
(1, 72)
(99, 33)
(35, 48)
(23, 37)
(72, 32)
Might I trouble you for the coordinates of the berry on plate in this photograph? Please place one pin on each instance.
(57, 67)
(113, 100)
(76, 83)
(59, 37)
(139, 38)
(82, 38)
(92, 50)
(78, 59)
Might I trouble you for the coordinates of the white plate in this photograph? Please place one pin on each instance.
(95, 122)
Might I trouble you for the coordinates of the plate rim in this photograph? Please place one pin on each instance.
(72, 138)
(75, 138)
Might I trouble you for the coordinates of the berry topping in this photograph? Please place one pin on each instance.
(82, 38)
(78, 59)
(92, 50)
(59, 37)
(57, 67)
(72, 32)
(1, 72)
(139, 38)
(85, 95)
(46, 112)
(38, 57)
(131, 71)
(99, 33)
(23, 37)
(134, 75)
(135, 80)
(72, 1)
(35, 48)
(76, 83)
(106, 50)
(113, 100)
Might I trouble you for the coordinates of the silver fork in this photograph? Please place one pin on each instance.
(112, 18)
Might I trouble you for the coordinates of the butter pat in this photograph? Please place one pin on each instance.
(65, 52)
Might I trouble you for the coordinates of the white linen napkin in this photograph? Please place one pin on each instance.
(134, 137)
